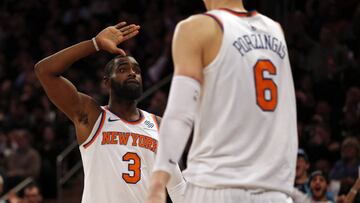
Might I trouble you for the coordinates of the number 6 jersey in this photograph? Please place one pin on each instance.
(118, 158)
(245, 131)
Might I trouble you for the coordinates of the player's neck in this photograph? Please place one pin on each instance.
(126, 110)
(233, 5)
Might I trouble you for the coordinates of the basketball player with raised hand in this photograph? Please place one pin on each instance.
(117, 142)
(233, 84)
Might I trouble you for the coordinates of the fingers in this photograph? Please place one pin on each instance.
(123, 29)
(120, 25)
(120, 51)
(131, 29)
(130, 35)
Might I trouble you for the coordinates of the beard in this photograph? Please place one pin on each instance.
(126, 91)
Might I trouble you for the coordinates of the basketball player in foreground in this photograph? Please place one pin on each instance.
(233, 82)
(117, 142)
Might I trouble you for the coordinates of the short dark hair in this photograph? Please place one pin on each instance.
(110, 65)
(302, 153)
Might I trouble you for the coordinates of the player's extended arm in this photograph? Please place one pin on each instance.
(60, 90)
(176, 185)
(190, 39)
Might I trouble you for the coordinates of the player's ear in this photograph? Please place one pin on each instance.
(106, 82)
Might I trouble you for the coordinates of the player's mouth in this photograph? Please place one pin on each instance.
(132, 81)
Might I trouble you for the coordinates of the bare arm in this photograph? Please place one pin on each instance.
(80, 108)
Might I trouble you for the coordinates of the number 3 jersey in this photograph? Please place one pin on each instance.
(118, 158)
(245, 132)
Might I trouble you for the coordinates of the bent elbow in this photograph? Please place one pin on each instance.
(38, 69)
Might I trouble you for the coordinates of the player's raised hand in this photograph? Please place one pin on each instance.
(110, 37)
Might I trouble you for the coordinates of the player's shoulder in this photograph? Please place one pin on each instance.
(197, 25)
(199, 22)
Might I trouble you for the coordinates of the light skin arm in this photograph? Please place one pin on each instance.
(80, 108)
(190, 39)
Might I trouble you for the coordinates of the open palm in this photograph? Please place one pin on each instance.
(109, 38)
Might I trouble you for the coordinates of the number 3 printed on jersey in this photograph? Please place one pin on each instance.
(266, 89)
(134, 166)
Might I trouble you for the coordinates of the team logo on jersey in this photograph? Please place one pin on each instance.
(149, 124)
(113, 119)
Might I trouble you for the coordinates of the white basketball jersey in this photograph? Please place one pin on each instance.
(245, 132)
(118, 158)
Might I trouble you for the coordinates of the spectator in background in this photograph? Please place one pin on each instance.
(302, 167)
(24, 161)
(1, 186)
(351, 194)
(351, 111)
(48, 149)
(32, 194)
(158, 103)
(318, 183)
(327, 58)
(4, 151)
(346, 169)
(321, 146)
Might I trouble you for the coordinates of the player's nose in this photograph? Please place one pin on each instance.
(132, 72)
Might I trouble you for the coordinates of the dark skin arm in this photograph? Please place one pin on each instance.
(80, 108)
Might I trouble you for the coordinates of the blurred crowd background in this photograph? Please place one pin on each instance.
(323, 39)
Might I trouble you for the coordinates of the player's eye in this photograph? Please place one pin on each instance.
(122, 70)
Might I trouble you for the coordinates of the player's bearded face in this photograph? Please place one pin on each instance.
(127, 90)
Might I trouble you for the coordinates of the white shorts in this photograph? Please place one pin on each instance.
(196, 194)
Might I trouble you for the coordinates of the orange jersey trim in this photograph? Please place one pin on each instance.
(240, 14)
(103, 116)
(155, 120)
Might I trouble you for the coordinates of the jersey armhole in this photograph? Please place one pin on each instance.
(156, 121)
(217, 20)
(102, 121)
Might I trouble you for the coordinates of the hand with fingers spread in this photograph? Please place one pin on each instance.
(110, 37)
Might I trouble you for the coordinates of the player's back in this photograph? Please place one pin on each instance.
(118, 158)
(245, 128)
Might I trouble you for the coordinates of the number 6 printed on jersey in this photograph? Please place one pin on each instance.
(265, 85)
